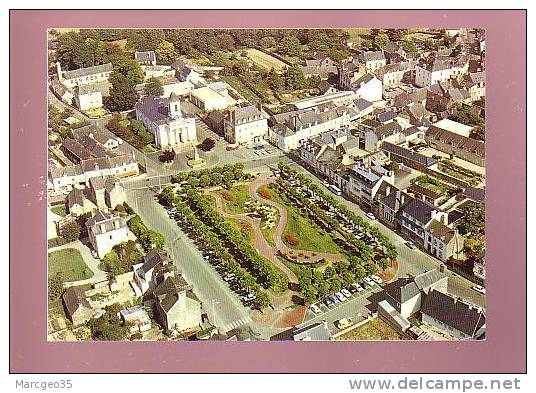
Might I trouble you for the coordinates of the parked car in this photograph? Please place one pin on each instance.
(328, 302)
(352, 288)
(369, 281)
(371, 216)
(480, 289)
(377, 279)
(334, 299)
(340, 296)
(314, 308)
(357, 287)
(346, 292)
(410, 245)
(421, 148)
(344, 323)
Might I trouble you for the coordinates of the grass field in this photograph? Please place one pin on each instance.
(60, 210)
(356, 34)
(68, 261)
(373, 330)
(309, 235)
(238, 195)
(265, 61)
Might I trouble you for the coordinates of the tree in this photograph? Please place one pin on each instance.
(167, 155)
(166, 53)
(267, 42)
(473, 220)
(295, 78)
(381, 40)
(409, 46)
(290, 45)
(55, 286)
(262, 301)
(71, 231)
(152, 239)
(139, 129)
(123, 95)
(154, 87)
(108, 326)
(167, 196)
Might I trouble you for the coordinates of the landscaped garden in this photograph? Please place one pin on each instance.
(69, 263)
(235, 198)
(459, 172)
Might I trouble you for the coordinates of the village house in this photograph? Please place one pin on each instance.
(434, 70)
(364, 182)
(443, 242)
(291, 129)
(136, 317)
(145, 58)
(76, 306)
(82, 76)
(453, 316)
(164, 118)
(64, 94)
(320, 65)
(63, 179)
(457, 145)
(245, 126)
(89, 96)
(415, 217)
(175, 305)
(389, 203)
(108, 141)
(158, 71)
(105, 230)
(154, 268)
(407, 157)
(372, 60)
(395, 73)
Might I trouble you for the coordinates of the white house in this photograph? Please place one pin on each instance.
(157, 71)
(365, 181)
(291, 129)
(432, 71)
(81, 76)
(164, 118)
(145, 58)
(89, 96)
(372, 60)
(105, 230)
(246, 125)
(368, 87)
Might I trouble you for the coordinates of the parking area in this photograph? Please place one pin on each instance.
(217, 265)
(354, 309)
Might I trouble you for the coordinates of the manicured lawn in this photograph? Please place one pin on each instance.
(244, 227)
(269, 233)
(374, 330)
(60, 210)
(70, 263)
(433, 184)
(309, 235)
(234, 199)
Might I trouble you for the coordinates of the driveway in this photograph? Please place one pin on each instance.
(89, 259)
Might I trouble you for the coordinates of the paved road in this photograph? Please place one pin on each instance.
(412, 261)
(208, 286)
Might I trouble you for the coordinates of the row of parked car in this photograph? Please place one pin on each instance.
(244, 294)
(346, 293)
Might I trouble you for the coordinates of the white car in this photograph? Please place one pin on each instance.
(314, 308)
(346, 292)
(369, 281)
(371, 216)
(480, 289)
(422, 148)
(358, 287)
(340, 296)
(376, 279)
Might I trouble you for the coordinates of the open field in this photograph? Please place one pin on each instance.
(374, 330)
(356, 34)
(69, 262)
(266, 61)
(60, 210)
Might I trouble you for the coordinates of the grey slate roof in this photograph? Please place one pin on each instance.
(143, 57)
(428, 278)
(408, 154)
(109, 220)
(81, 72)
(419, 209)
(453, 312)
(402, 290)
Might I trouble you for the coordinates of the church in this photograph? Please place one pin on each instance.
(164, 118)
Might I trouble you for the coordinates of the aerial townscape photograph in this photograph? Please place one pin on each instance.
(266, 184)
